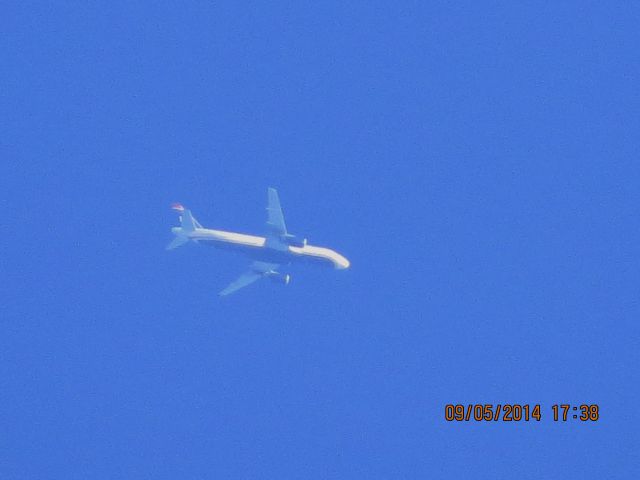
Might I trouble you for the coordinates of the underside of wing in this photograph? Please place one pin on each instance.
(263, 267)
(275, 218)
(258, 270)
(241, 282)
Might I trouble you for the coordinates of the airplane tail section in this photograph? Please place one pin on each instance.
(187, 222)
(188, 225)
(178, 241)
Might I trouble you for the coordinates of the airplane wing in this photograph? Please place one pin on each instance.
(275, 218)
(257, 271)
(242, 281)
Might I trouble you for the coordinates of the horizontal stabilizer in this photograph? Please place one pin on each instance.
(176, 242)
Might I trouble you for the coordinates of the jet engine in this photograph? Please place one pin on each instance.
(279, 277)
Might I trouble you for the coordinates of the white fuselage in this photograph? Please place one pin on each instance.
(257, 247)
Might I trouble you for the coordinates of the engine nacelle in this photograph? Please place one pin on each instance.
(294, 241)
(278, 277)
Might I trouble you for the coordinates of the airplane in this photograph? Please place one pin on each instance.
(268, 253)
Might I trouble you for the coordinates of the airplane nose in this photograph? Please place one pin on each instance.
(344, 264)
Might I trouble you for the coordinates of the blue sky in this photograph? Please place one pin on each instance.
(476, 161)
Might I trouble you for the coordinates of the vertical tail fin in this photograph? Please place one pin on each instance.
(188, 224)
(187, 221)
